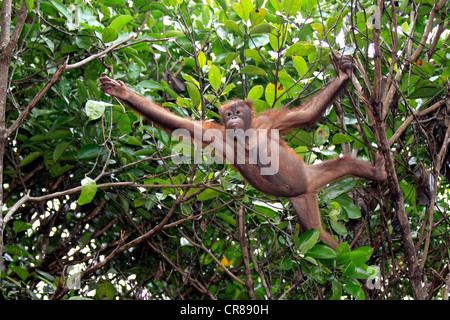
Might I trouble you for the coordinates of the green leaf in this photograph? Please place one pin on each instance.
(233, 26)
(168, 90)
(321, 135)
(405, 27)
(426, 69)
(257, 16)
(21, 272)
(215, 77)
(109, 34)
(150, 84)
(201, 59)
(120, 21)
(335, 209)
(88, 191)
(105, 291)
(359, 256)
(338, 188)
(56, 170)
(82, 42)
(265, 211)
(360, 272)
(208, 194)
(278, 5)
(253, 70)
(302, 138)
(226, 218)
(205, 259)
(29, 4)
(112, 3)
(287, 263)
(311, 260)
(20, 226)
(342, 138)
(90, 151)
(132, 141)
(320, 251)
(59, 134)
(59, 150)
(243, 9)
(300, 65)
(228, 88)
(352, 210)
(270, 94)
(291, 7)
(355, 291)
(403, 5)
(223, 4)
(256, 92)
(125, 124)
(194, 93)
(45, 276)
(82, 92)
(62, 9)
(300, 49)
(320, 273)
(339, 228)
(262, 28)
(30, 158)
(336, 289)
(253, 54)
(260, 105)
(308, 240)
(348, 269)
(342, 248)
(155, 5)
(139, 202)
(276, 42)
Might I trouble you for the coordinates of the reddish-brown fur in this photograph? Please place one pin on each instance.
(293, 179)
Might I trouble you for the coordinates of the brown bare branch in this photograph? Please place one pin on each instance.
(244, 251)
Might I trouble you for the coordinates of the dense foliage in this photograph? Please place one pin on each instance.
(95, 207)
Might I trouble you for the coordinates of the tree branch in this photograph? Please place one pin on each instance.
(6, 23)
(395, 189)
(408, 121)
(36, 99)
(244, 251)
(437, 169)
(98, 55)
(390, 95)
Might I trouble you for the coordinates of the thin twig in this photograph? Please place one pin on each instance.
(36, 99)
(244, 251)
(437, 170)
